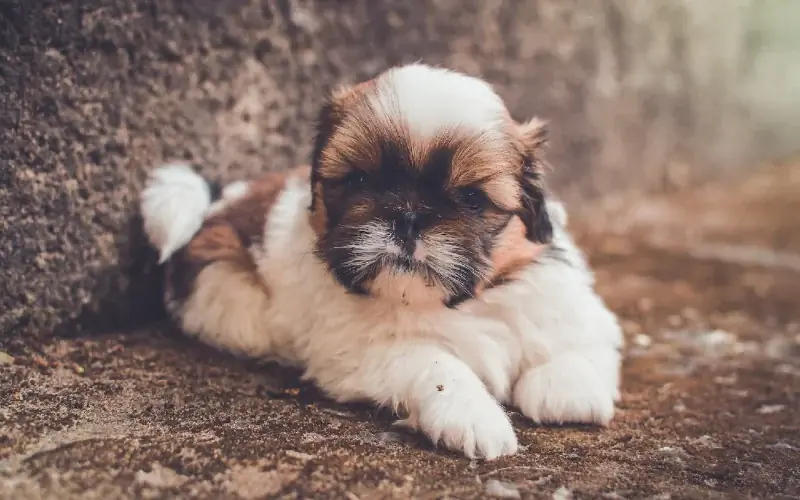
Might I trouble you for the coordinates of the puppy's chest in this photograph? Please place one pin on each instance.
(312, 317)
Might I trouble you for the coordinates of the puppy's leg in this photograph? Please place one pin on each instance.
(576, 377)
(443, 397)
(214, 292)
(569, 388)
(575, 341)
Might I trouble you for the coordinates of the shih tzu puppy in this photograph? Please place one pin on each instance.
(417, 263)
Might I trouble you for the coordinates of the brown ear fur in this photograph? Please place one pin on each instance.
(513, 251)
(329, 118)
(538, 227)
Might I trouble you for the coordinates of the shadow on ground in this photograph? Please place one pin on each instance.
(707, 285)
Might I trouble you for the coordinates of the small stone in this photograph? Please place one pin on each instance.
(705, 441)
(6, 359)
(40, 361)
(642, 340)
(337, 413)
(305, 457)
(675, 321)
(562, 493)
(312, 437)
(160, 477)
(783, 446)
(671, 450)
(497, 489)
(770, 409)
(691, 314)
(777, 348)
(631, 327)
(787, 369)
(718, 338)
(389, 437)
(728, 380)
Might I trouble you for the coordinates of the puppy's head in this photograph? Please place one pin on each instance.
(424, 188)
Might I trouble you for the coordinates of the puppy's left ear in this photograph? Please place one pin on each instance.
(533, 212)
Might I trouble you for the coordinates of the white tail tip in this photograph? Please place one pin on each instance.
(174, 204)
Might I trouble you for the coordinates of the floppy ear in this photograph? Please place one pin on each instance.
(533, 212)
(329, 118)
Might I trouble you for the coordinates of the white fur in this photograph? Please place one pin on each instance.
(230, 193)
(173, 205)
(545, 343)
(430, 100)
(374, 242)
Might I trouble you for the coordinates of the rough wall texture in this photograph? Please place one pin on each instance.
(94, 93)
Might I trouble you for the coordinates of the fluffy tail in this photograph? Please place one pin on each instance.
(174, 205)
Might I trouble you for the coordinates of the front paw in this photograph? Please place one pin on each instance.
(567, 389)
(473, 424)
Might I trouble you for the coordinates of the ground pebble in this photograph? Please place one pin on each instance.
(563, 493)
(6, 359)
(497, 489)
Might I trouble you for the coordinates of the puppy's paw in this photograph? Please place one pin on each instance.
(476, 426)
(567, 389)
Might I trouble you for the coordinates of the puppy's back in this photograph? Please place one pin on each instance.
(212, 285)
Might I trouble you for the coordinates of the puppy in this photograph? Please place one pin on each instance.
(417, 263)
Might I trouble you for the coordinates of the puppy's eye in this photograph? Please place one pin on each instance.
(473, 197)
(354, 178)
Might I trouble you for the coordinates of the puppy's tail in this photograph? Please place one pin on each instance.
(174, 204)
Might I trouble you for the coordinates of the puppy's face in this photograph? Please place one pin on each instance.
(424, 189)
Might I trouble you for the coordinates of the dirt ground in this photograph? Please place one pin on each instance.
(707, 285)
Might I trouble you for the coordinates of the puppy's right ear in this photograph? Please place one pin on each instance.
(534, 214)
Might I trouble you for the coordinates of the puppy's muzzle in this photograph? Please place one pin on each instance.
(406, 229)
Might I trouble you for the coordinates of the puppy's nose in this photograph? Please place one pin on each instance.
(406, 228)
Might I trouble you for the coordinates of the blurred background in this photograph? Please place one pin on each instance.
(675, 143)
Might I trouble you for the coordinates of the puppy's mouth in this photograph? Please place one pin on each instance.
(406, 257)
(436, 260)
(395, 261)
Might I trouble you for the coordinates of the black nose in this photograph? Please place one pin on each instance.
(406, 229)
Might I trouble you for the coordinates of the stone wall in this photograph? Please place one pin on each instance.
(643, 95)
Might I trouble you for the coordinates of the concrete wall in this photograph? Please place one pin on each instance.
(641, 95)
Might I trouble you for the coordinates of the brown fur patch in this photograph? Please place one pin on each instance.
(319, 215)
(228, 235)
(512, 252)
(354, 144)
(216, 242)
(246, 216)
(493, 167)
(533, 134)
(346, 131)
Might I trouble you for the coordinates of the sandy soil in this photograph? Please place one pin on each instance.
(707, 285)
